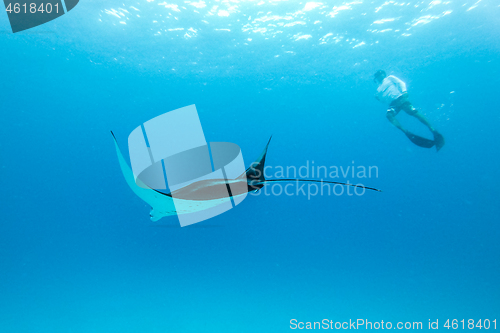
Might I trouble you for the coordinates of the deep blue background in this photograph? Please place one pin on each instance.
(79, 254)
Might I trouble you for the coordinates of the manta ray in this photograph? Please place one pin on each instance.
(205, 194)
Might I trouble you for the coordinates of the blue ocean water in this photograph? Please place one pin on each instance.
(78, 252)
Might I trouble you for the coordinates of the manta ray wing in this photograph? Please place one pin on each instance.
(160, 205)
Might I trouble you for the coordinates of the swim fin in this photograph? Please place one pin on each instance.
(420, 141)
(438, 140)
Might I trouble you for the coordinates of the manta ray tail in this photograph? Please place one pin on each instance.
(317, 181)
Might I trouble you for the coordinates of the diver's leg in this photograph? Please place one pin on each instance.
(414, 112)
(391, 116)
(424, 121)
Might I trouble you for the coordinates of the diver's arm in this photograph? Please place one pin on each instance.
(379, 94)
